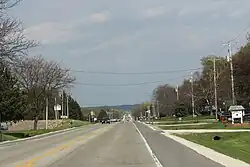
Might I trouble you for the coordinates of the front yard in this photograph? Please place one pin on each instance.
(236, 145)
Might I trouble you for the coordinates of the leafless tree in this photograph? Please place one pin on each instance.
(7, 4)
(39, 78)
(13, 43)
(248, 37)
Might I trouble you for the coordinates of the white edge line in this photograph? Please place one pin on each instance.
(149, 126)
(156, 160)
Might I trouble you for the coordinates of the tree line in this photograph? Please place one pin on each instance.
(101, 112)
(165, 96)
(27, 80)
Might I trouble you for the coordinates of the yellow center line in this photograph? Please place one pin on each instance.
(31, 162)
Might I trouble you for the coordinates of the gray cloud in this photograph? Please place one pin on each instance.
(127, 36)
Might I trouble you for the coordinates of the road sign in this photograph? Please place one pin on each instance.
(64, 117)
(57, 107)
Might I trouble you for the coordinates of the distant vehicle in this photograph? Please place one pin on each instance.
(105, 121)
(113, 120)
(4, 126)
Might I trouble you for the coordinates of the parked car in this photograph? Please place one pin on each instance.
(105, 121)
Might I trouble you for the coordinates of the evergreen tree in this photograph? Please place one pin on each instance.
(12, 99)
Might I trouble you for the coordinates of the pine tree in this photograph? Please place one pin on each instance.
(12, 99)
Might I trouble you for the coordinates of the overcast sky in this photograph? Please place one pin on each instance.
(130, 36)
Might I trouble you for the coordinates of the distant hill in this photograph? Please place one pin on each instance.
(118, 107)
(123, 107)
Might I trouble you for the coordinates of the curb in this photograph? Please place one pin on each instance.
(40, 136)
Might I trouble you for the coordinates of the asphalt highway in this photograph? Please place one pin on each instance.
(103, 145)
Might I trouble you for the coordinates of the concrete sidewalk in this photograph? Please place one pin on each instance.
(193, 124)
(185, 131)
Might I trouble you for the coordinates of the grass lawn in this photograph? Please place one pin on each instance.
(188, 118)
(186, 122)
(29, 133)
(9, 137)
(236, 145)
(205, 126)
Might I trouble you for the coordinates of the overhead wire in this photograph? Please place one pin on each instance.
(127, 84)
(240, 33)
(134, 73)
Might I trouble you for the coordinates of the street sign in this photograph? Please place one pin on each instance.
(64, 117)
(57, 107)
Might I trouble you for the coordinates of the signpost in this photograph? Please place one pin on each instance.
(148, 111)
(1, 133)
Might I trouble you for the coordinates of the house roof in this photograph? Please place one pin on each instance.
(236, 108)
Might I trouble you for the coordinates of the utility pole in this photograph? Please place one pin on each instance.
(192, 91)
(158, 112)
(62, 103)
(148, 111)
(153, 108)
(215, 89)
(47, 113)
(67, 96)
(55, 108)
(177, 92)
(230, 59)
(1, 133)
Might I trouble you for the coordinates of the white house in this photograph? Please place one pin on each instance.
(238, 112)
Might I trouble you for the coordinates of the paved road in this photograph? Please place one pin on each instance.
(34, 152)
(122, 146)
(172, 154)
(115, 145)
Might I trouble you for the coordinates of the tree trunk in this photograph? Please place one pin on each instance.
(36, 122)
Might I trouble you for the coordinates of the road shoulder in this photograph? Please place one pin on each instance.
(209, 153)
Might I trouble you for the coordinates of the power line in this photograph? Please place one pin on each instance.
(114, 85)
(122, 73)
(134, 73)
(239, 34)
(124, 85)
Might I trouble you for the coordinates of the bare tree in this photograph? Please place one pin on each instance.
(13, 43)
(248, 37)
(7, 4)
(166, 96)
(39, 78)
